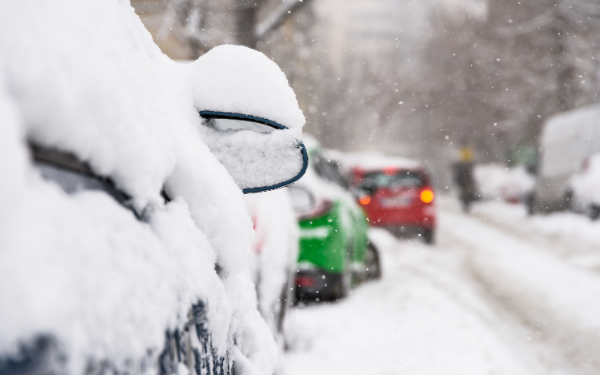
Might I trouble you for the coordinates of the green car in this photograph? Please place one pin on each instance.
(335, 252)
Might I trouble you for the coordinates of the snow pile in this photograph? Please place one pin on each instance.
(586, 184)
(275, 251)
(86, 77)
(495, 181)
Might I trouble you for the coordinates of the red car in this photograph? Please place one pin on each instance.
(398, 197)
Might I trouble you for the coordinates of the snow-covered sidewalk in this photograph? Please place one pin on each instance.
(426, 316)
(572, 236)
(549, 293)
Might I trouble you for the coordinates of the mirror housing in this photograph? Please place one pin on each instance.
(258, 153)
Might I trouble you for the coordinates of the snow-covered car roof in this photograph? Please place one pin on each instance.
(373, 161)
(86, 78)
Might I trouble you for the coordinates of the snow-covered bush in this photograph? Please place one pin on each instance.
(495, 181)
(585, 186)
(86, 78)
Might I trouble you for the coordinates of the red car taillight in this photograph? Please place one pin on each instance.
(426, 195)
(305, 281)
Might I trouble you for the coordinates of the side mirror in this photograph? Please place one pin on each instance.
(259, 154)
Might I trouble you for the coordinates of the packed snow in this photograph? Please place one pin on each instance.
(86, 78)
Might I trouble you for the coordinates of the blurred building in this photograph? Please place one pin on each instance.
(185, 29)
(369, 29)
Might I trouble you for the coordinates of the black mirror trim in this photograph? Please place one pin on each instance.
(239, 116)
(288, 182)
(231, 115)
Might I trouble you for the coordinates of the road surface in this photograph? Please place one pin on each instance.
(491, 297)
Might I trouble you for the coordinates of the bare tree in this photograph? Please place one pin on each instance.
(494, 81)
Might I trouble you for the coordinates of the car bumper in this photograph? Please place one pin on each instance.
(318, 285)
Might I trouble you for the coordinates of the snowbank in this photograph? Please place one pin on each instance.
(495, 181)
(86, 78)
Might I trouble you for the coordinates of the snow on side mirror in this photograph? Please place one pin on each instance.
(258, 153)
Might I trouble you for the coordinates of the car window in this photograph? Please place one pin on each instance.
(73, 182)
(393, 180)
(73, 176)
(328, 169)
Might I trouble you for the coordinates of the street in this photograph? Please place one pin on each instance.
(497, 295)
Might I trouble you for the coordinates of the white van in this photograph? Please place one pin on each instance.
(567, 139)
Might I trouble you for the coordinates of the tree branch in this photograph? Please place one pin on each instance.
(277, 17)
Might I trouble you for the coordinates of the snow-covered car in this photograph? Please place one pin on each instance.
(566, 140)
(585, 188)
(273, 261)
(124, 234)
(498, 182)
(335, 253)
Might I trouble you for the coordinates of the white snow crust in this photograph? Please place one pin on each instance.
(86, 78)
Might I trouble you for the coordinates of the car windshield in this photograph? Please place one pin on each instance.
(392, 180)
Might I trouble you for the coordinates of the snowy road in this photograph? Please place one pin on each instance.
(485, 300)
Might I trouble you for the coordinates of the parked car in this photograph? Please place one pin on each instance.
(585, 188)
(397, 194)
(499, 182)
(123, 229)
(335, 253)
(273, 261)
(567, 140)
